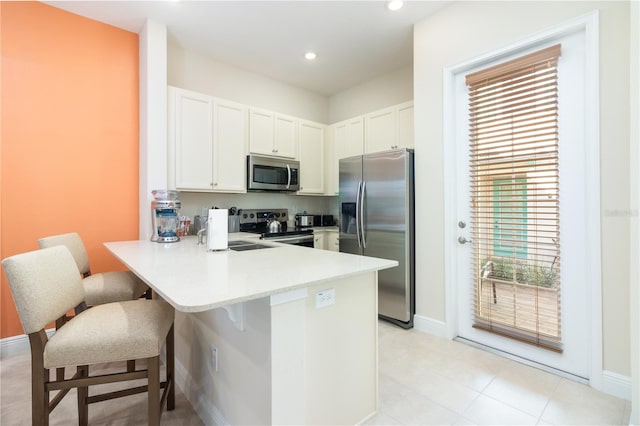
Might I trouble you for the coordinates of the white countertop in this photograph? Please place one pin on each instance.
(193, 279)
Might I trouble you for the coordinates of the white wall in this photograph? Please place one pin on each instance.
(193, 71)
(634, 160)
(461, 32)
(389, 89)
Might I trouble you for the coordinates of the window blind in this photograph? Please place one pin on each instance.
(514, 182)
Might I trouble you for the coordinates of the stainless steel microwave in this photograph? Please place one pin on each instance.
(272, 174)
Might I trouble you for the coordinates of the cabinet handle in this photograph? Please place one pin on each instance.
(215, 184)
(210, 183)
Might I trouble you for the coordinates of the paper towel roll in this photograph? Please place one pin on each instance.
(218, 229)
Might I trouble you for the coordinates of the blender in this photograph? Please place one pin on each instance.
(165, 216)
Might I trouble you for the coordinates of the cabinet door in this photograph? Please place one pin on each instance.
(381, 131)
(330, 162)
(285, 140)
(332, 243)
(318, 240)
(230, 147)
(355, 137)
(311, 158)
(261, 131)
(405, 125)
(192, 118)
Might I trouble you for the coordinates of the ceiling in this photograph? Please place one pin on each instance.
(355, 40)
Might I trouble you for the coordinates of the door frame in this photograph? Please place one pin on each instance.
(589, 24)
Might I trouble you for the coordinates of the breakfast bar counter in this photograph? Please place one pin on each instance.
(194, 279)
(277, 335)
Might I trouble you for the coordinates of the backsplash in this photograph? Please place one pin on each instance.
(192, 202)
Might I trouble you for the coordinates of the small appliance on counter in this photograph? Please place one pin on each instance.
(323, 220)
(305, 220)
(165, 216)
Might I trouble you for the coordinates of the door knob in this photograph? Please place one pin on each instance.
(463, 240)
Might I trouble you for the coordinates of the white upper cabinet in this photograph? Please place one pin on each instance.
(272, 134)
(230, 146)
(389, 128)
(381, 130)
(207, 143)
(190, 137)
(405, 125)
(311, 144)
(285, 138)
(346, 140)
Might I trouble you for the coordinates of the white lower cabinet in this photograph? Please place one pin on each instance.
(207, 143)
(326, 239)
(318, 240)
(332, 242)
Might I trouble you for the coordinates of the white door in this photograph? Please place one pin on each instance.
(575, 315)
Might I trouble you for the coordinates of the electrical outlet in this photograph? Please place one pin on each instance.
(325, 298)
(214, 357)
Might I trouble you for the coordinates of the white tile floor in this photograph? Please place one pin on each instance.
(424, 380)
(434, 381)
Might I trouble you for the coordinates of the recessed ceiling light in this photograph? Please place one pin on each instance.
(310, 56)
(394, 5)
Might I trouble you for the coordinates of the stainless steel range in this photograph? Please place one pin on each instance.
(259, 221)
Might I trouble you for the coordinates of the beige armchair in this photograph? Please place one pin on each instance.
(45, 285)
(103, 287)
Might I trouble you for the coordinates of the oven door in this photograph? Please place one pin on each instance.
(296, 240)
(272, 174)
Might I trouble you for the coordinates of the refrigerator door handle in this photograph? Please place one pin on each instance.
(358, 213)
(361, 201)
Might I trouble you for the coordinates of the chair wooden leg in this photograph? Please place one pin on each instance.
(39, 380)
(153, 390)
(170, 358)
(83, 394)
(39, 395)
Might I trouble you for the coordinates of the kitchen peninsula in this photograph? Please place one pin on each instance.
(278, 335)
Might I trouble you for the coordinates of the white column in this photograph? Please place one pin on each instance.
(153, 118)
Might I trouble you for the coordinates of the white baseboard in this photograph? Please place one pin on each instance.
(431, 326)
(17, 345)
(208, 413)
(617, 385)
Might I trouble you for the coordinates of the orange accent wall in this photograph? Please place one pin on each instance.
(69, 129)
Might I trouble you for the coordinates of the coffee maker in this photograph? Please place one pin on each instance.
(165, 217)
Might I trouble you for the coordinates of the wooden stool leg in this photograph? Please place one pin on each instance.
(83, 394)
(153, 390)
(171, 398)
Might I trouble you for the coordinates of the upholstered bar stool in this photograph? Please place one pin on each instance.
(104, 287)
(45, 285)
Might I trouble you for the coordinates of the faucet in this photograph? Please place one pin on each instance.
(201, 233)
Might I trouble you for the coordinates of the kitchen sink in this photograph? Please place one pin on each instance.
(246, 245)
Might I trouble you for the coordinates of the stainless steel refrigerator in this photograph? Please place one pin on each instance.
(376, 205)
